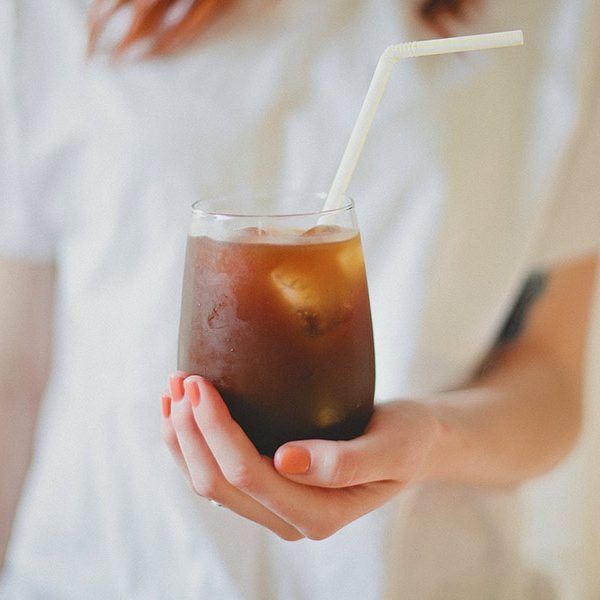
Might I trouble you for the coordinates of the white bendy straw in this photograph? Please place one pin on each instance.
(388, 59)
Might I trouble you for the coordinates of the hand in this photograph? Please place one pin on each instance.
(311, 488)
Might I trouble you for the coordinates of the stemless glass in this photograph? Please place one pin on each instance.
(275, 313)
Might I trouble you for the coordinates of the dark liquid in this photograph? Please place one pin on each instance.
(283, 330)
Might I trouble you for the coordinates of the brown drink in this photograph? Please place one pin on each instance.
(280, 322)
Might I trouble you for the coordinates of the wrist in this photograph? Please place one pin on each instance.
(450, 446)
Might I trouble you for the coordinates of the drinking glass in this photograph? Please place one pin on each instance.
(275, 313)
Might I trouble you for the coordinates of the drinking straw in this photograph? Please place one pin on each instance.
(388, 59)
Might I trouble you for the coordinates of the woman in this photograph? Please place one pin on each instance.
(477, 173)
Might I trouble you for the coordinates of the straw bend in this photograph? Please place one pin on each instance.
(463, 43)
(387, 60)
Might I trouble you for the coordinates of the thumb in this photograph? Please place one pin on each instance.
(395, 447)
(330, 463)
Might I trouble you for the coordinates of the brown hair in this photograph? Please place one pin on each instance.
(170, 25)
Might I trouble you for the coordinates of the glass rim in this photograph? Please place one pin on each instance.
(198, 210)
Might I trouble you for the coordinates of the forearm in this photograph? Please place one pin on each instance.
(516, 421)
(26, 292)
(522, 415)
(17, 428)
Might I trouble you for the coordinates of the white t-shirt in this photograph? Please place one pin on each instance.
(478, 169)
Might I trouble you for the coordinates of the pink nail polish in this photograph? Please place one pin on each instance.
(176, 387)
(166, 405)
(293, 460)
(192, 391)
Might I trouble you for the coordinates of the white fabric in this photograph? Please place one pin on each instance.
(472, 167)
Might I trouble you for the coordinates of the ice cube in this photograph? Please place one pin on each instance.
(316, 305)
(321, 231)
(295, 287)
(351, 260)
(329, 414)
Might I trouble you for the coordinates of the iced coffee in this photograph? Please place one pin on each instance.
(278, 319)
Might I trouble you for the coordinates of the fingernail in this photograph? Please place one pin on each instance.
(176, 386)
(192, 391)
(293, 460)
(166, 405)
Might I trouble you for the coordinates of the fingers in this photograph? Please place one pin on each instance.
(337, 464)
(312, 510)
(203, 473)
(320, 463)
(176, 386)
(170, 437)
(332, 464)
(313, 487)
(240, 461)
(394, 447)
